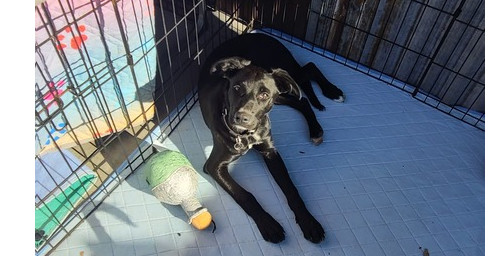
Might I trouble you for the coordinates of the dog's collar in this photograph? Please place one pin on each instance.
(238, 145)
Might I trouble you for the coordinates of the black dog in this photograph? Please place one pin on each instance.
(238, 84)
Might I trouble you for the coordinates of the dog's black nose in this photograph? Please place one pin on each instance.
(242, 118)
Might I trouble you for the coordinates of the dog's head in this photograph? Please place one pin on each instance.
(251, 91)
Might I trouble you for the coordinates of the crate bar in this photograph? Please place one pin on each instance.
(443, 38)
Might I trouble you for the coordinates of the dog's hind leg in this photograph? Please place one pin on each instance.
(216, 166)
(311, 228)
(329, 90)
(306, 86)
(302, 105)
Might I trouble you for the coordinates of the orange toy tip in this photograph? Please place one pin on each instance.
(202, 220)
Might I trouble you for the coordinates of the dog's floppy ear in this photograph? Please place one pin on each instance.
(225, 67)
(285, 82)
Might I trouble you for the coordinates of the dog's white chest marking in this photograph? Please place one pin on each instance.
(244, 143)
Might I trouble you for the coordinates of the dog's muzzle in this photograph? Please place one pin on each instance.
(242, 119)
(240, 124)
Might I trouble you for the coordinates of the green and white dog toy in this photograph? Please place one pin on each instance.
(173, 180)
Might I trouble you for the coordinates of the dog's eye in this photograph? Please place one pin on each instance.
(237, 87)
(263, 96)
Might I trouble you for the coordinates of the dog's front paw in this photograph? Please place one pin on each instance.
(311, 228)
(270, 229)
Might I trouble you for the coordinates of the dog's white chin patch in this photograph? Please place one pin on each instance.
(242, 129)
(239, 127)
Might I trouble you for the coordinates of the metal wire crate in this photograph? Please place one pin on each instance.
(431, 49)
(108, 75)
(114, 76)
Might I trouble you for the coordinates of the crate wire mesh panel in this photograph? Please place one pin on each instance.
(106, 77)
(110, 73)
(434, 49)
(431, 49)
